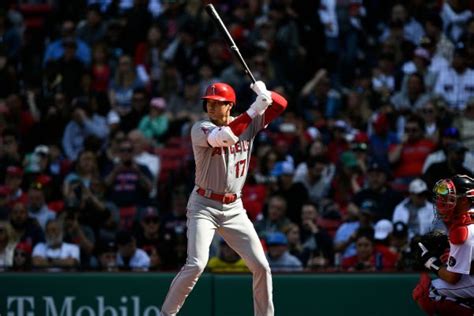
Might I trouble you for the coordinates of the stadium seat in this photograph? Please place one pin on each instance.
(34, 14)
(178, 141)
(253, 198)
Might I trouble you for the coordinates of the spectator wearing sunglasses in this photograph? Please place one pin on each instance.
(22, 257)
(150, 238)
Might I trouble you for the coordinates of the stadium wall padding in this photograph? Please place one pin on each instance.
(141, 294)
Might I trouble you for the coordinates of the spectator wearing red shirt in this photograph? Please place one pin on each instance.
(100, 69)
(367, 258)
(408, 157)
(13, 180)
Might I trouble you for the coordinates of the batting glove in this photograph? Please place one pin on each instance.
(259, 87)
(261, 104)
(429, 260)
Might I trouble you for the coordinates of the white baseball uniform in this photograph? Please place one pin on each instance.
(460, 260)
(215, 205)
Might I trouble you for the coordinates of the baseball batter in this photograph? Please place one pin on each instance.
(222, 147)
(452, 293)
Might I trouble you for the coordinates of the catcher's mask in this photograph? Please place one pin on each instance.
(449, 192)
(218, 91)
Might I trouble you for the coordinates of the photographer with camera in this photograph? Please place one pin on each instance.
(78, 234)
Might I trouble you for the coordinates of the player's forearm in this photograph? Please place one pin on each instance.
(40, 262)
(278, 106)
(240, 124)
(65, 262)
(448, 276)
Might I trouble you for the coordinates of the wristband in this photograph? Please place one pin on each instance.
(252, 113)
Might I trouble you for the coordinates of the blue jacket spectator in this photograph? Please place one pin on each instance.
(55, 49)
(82, 125)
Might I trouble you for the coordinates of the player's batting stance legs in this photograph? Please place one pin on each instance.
(200, 233)
(239, 233)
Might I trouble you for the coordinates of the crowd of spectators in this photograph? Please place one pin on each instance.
(97, 98)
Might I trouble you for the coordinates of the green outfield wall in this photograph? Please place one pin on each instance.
(141, 294)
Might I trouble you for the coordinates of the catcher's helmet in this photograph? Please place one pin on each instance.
(219, 91)
(447, 192)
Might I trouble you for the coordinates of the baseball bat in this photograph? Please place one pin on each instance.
(230, 41)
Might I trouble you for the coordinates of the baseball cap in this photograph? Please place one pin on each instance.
(361, 137)
(451, 132)
(400, 229)
(348, 159)
(43, 179)
(276, 239)
(113, 118)
(24, 246)
(283, 168)
(149, 212)
(417, 186)
(382, 229)
(107, 246)
(422, 53)
(341, 124)
(158, 103)
(41, 150)
(14, 171)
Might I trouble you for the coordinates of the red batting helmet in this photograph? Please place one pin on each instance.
(220, 91)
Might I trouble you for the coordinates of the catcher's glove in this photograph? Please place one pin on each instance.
(428, 250)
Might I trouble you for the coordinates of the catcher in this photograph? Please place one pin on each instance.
(452, 293)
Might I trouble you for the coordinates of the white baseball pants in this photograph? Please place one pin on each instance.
(205, 217)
